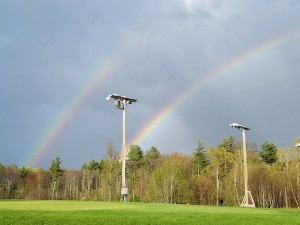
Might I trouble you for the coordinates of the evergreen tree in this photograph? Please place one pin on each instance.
(93, 165)
(153, 153)
(199, 159)
(152, 159)
(55, 170)
(268, 152)
(23, 171)
(134, 162)
(135, 155)
(228, 143)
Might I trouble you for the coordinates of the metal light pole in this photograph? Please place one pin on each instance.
(121, 102)
(248, 200)
(297, 154)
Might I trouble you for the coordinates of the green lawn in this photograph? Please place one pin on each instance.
(84, 212)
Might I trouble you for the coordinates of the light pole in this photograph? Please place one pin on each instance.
(297, 154)
(248, 200)
(121, 102)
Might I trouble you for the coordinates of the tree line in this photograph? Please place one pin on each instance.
(205, 176)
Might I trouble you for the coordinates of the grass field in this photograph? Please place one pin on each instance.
(84, 212)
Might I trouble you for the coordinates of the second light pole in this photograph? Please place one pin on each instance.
(121, 102)
(248, 200)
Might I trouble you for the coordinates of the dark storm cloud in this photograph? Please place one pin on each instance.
(50, 50)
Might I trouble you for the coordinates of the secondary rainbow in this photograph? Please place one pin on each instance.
(233, 64)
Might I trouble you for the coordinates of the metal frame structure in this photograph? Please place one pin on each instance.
(248, 200)
(121, 102)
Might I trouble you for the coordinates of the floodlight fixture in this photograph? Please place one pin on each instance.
(121, 102)
(238, 126)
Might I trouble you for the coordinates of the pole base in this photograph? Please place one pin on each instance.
(124, 198)
(124, 194)
(248, 200)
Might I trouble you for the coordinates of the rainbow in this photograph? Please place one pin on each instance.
(232, 64)
(63, 118)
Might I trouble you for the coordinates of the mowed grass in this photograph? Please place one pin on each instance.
(85, 212)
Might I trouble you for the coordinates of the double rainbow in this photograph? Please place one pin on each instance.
(61, 120)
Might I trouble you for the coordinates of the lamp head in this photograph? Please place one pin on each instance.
(117, 103)
(238, 126)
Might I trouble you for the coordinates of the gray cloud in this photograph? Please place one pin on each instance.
(50, 50)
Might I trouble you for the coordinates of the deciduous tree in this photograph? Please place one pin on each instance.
(111, 172)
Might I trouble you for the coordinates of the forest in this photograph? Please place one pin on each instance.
(202, 178)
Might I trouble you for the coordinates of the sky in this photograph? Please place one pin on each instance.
(195, 66)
